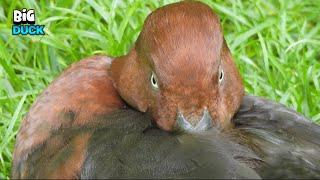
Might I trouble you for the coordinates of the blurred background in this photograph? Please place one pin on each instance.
(275, 43)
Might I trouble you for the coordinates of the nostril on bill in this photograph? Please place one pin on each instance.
(204, 123)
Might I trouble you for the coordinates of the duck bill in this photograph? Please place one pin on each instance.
(205, 123)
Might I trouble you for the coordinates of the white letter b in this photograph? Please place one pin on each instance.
(17, 16)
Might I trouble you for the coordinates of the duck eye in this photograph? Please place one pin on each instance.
(221, 75)
(154, 82)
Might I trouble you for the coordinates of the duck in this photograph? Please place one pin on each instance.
(173, 107)
(70, 134)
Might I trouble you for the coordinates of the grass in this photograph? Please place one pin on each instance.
(275, 43)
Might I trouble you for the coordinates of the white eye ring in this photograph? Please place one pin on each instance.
(221, 75)
(154, 81)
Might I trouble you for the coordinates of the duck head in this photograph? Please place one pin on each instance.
(180, 70)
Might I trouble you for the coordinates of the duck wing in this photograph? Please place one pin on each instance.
(287, 142)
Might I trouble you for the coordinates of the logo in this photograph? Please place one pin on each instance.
(24, 23)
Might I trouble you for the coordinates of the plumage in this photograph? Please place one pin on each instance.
(287, 142)
(124, 144)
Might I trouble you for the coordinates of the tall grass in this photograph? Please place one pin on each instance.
(275, 43)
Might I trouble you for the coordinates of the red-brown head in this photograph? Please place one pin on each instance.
(180, 70)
